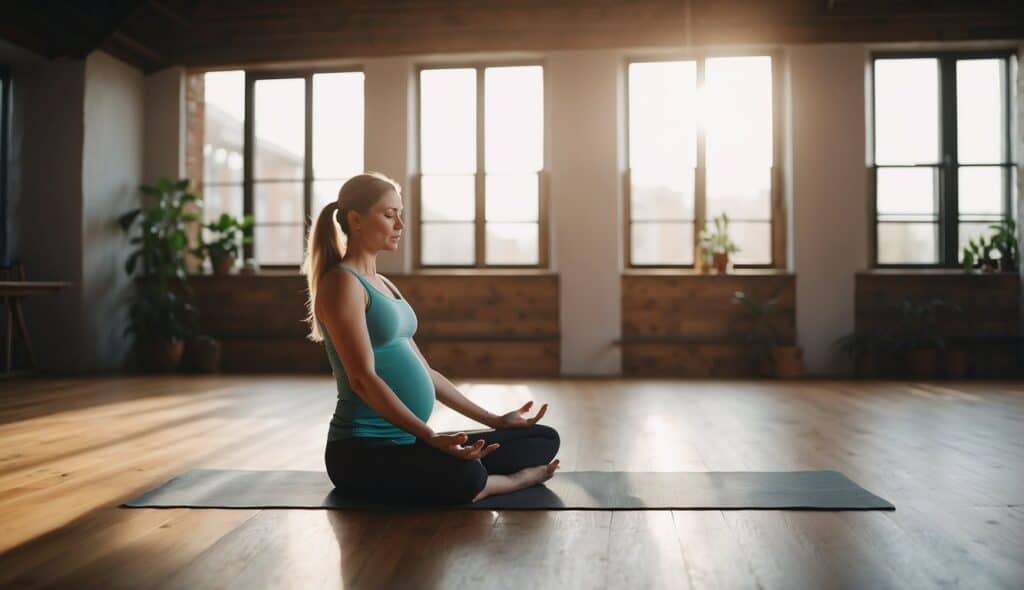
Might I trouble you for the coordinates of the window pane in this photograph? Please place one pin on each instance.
(280, 123)
(906, 111)
(278, 202)
(980, 124)
(907, 192)
(337, 125)
(741, 193)
(908, 243)
(218, 199)
(662, 243)
(223, 126)
(662, 120)
(968, 231)
(448, 121)
(754, 241)
(512, 243)
(325, 191)
(447, 243)
(512, 197)
(981, 190)
(737, 112)
(663, 195)
(514, 119)
(448, 198)
(278, 244)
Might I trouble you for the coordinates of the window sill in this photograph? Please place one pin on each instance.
(938, 272)
(689, 272)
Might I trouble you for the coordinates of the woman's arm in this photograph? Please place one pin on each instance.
(453, 398)
(340, 307)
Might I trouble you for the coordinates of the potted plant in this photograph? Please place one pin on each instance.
(955, 359)
(1004, 241)
(977, 254)
(865, 350)
(162, 314)
(768, 355)
(717, 242)
(205, 354)
(224, 241)
(919, 334)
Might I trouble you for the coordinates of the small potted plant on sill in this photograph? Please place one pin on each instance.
(769, 356)
(1004, 241)
(717, 242)
(865, 350)
(223, 245)
(977, 254)
(162, 314)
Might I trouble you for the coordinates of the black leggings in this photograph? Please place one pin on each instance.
(380, 470)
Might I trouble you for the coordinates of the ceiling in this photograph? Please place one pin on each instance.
(153, 34)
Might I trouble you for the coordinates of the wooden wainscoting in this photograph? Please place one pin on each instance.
(470, 324)
(685, 324)
(989, 325)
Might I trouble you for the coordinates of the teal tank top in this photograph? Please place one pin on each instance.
(391, 323)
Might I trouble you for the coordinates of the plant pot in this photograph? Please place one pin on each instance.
(788, 361)
(224, 265)
(205, 355)
(164, 356)
(923, 362)
(1006, 264)
(866, 366)
(955, 362)
(721, 262)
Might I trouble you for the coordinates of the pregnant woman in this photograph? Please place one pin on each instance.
(379, 447)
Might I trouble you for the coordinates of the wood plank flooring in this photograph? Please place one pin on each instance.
(949, 455)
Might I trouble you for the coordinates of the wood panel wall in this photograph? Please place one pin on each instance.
(989, 326)
(470, 325)
(686, 325)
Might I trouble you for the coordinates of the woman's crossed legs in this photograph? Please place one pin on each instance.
(419, 473)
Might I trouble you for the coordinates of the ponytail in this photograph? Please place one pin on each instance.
(324, 249)
(328, 236)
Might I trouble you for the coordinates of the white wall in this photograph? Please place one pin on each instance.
(164, 134)
(111, 173)
(827, 192)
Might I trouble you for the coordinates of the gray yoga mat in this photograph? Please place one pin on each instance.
(567, 490)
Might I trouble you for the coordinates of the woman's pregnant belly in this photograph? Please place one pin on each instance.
(401, 368)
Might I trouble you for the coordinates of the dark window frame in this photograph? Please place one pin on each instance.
(776, 222)
(946, 168)
(480, 175)
(248, 182)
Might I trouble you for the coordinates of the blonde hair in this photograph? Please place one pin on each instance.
(328, 236)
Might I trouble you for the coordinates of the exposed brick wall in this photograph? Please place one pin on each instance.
(194, 112)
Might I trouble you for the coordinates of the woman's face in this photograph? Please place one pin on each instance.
(381, 227)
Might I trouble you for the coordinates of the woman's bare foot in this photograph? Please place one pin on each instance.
(539, 474)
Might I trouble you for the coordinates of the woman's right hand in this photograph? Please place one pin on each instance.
(452, 444)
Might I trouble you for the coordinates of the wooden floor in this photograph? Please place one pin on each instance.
(949, 456)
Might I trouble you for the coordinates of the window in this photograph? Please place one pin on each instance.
(941, 166)
(481, 146)
(258, 165)
(701, 143)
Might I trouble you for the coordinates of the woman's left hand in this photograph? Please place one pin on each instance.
(517, 418)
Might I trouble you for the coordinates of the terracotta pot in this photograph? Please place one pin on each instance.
(164, 357)
(923, 362)
(866, 366)
(788, 361)
(721, 262)
(955, 362)
(224, 265)
(205, 355)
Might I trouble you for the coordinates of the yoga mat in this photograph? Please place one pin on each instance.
(567, 490)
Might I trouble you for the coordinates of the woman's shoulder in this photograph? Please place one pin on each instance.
(341, 286)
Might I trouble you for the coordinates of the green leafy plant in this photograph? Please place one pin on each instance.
(918, 328)
(860, 344)
(162, 309)
(717, 241)
(1004, 241)
(763, 336)
(227, 234)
